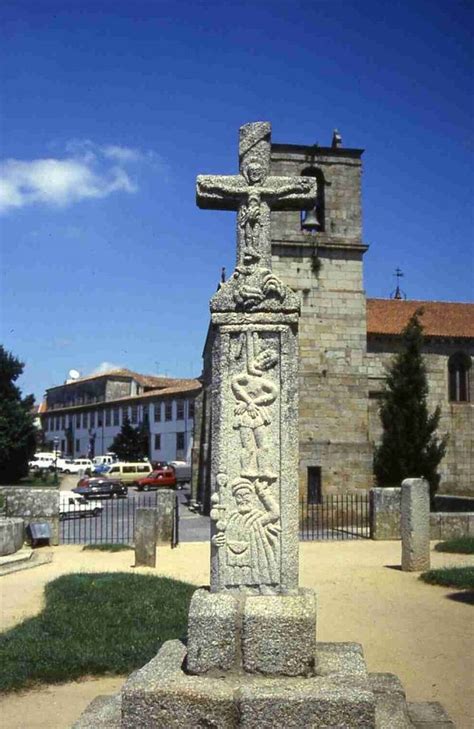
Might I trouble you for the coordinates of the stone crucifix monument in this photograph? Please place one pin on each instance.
(251, 658)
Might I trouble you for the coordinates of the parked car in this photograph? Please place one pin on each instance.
(161, 478)
(73, 506)
(100, 469)
(129, 472)
(45, 460)
(91, 488)
(79, 464)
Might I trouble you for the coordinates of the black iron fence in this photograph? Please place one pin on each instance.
(106, 521)
(336, 516)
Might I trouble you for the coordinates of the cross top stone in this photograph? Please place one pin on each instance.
(253, 194)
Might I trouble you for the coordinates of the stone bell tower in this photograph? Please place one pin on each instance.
(319, 255)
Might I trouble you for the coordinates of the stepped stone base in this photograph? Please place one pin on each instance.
(341, 695)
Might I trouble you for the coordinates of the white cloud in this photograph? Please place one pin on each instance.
(104, 367)
(89, 171)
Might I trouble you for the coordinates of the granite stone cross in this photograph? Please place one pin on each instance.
(254, 446)
(253, 193)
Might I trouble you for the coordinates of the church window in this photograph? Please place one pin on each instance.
(459, 366)
(314, 485)
(314, 219)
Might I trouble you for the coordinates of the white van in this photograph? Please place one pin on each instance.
(77, 465)
(72, 506)
(129, 472)
(106, 460)
(43, 460)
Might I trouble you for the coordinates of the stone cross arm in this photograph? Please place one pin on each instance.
(229, 192)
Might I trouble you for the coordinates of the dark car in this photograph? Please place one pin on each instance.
(92, 488)
(161, 478)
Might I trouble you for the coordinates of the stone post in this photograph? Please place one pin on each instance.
(145, 537)
(415, 525)
(165, 505)
(385, 513)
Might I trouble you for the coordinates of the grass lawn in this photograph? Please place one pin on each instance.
(94, 624)
(458, 545)
(460, 577)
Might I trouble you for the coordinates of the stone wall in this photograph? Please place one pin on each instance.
(34, 505)
(457, 419)
(333, 389)
(385, 510)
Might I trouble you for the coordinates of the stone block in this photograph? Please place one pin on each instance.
(391, 707)
(161, 696)
(340, 659)
(415, 525)
(11, 535)
(165, 505)
(317, 702)
(213, 636)
(104, 712)
(279, 634)
(145, 537)
(429, 715)
(385, 507)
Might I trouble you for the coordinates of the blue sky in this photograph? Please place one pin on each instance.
(111, 109)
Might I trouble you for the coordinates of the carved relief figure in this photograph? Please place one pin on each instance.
(254, 394)
(251, 535)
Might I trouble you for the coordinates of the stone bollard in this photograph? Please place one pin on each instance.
(145, 537)
(165, 504)
(415, 525)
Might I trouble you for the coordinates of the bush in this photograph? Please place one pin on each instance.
(460, 577)
(93, 624)
(457, 545)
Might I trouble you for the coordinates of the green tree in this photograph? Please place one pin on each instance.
(410, 447)
(17, 429)
(131, 444)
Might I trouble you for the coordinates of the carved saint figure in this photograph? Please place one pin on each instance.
(254, 394)
(251, 536)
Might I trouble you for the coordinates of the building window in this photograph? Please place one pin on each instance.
(116, 416)
(157, 441)
(180, 441)
(134, 418)
(157, 411)
(78, 446)
(169, 410)
(314, 485)
(56, 427)
(84, 420)
(314, 219)
(92, 420)
(100, 419)
(191, 409)
(145, 415)
(63, 422)
(180, 410)
(108, 417)
(124, 414)
(459, 365)
(78, 420)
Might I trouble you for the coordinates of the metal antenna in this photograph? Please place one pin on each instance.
(398, 293)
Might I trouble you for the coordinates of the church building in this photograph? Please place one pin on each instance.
(347, 339)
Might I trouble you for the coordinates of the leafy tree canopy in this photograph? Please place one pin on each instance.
(410, 447)
(130, 444)
(17, 429)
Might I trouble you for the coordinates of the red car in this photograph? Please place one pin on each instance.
(161, 478)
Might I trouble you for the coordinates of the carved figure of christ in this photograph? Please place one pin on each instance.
(253, 194)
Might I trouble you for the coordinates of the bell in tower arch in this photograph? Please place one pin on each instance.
(310, 221)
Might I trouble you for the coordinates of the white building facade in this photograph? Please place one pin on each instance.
(84, 416)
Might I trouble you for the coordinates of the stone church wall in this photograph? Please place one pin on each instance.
(457, 419)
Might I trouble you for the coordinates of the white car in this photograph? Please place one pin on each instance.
(72, 506)
(44, 460)
(79, 464)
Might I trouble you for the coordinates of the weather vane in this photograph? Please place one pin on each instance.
(398, 293)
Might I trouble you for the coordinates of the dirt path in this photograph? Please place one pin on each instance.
(406, 627)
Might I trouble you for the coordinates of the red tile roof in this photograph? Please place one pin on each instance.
(439, 319)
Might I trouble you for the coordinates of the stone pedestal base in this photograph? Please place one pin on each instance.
(341, 695)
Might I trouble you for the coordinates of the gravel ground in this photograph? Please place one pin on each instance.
(421, 632)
